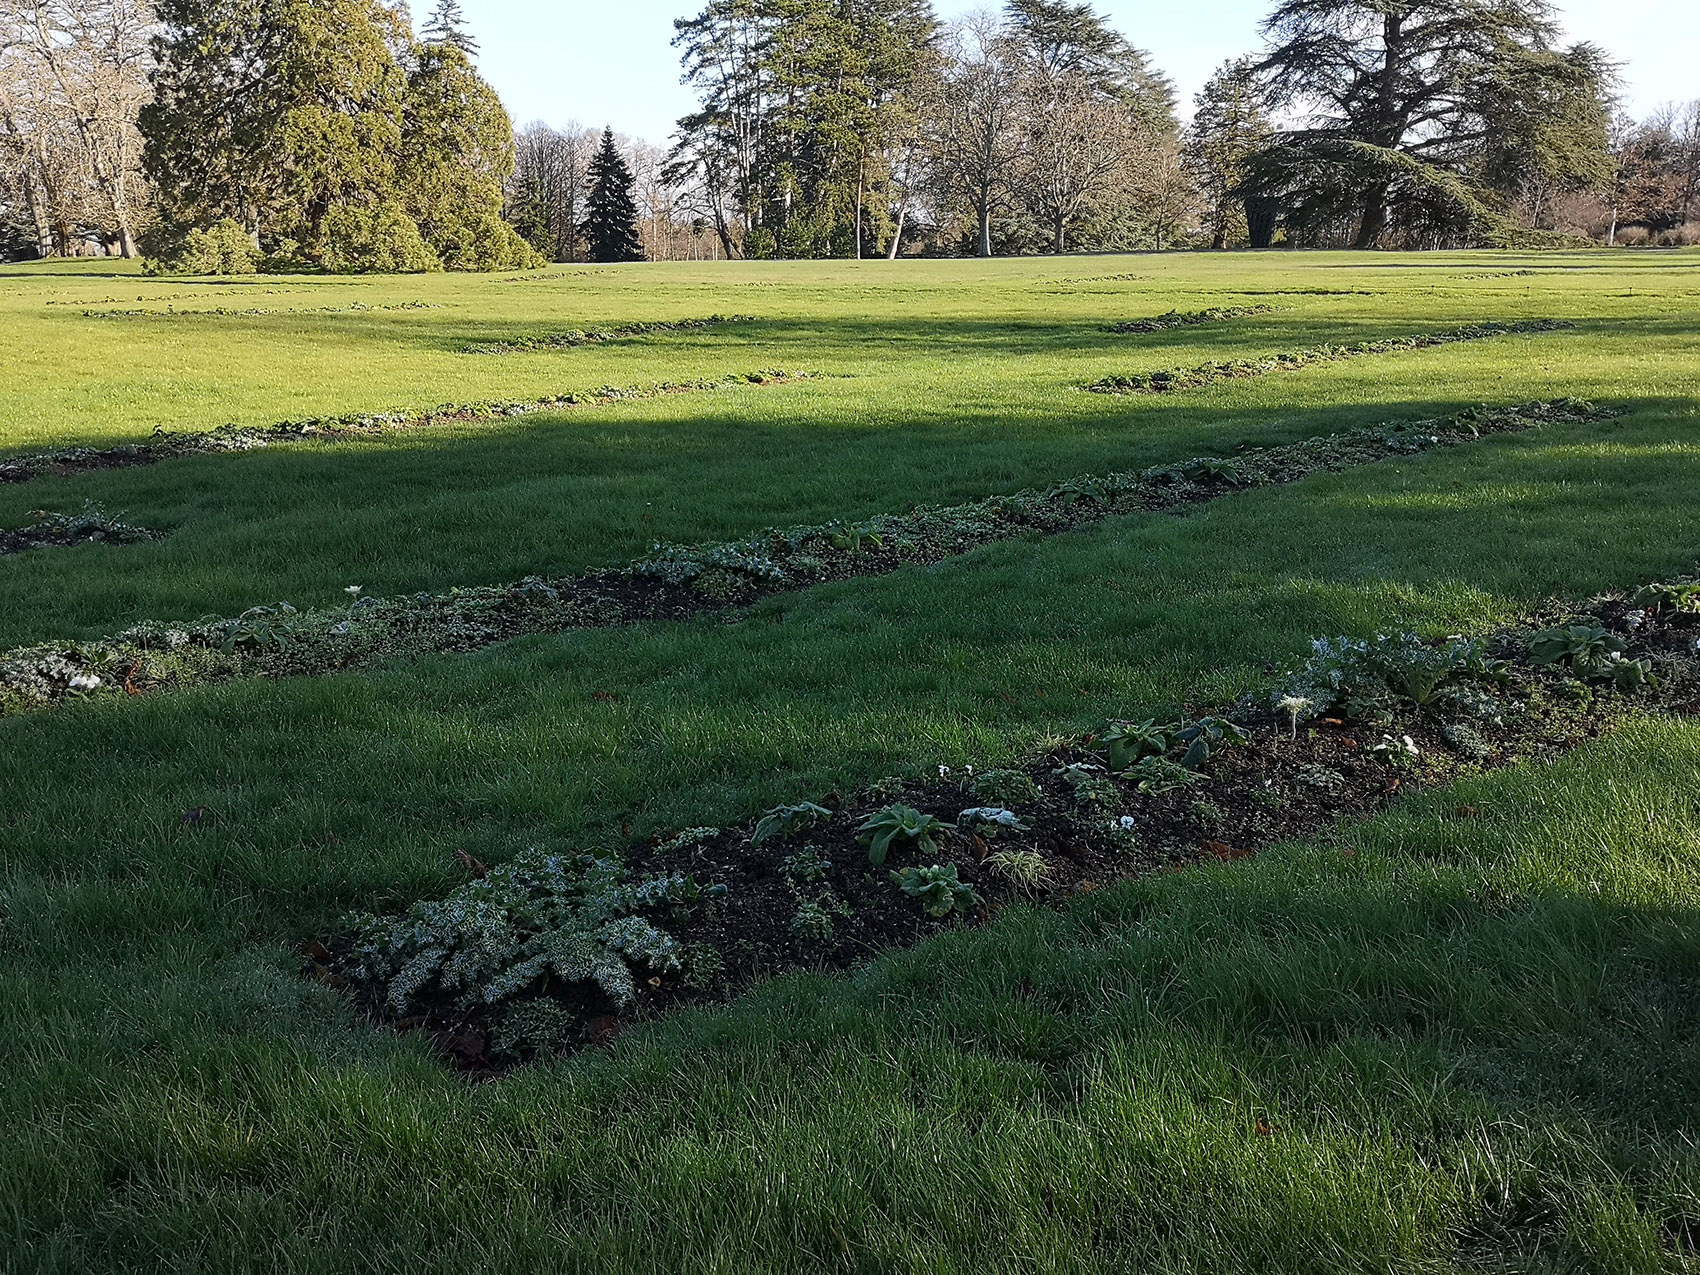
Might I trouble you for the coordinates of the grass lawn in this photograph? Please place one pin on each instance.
(1468, 1044)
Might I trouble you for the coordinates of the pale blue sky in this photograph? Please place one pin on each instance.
(609, 62)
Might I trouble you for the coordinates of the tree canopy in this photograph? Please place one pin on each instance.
(323, 129)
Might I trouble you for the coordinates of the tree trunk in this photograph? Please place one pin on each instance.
(1059, 235)
(1374, 220)
(986, 229)
(897, 235)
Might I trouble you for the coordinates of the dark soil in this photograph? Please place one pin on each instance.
(1275, 788)
(25, 538)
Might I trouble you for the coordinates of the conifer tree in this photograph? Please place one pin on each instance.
(447, 26)
(610, 226)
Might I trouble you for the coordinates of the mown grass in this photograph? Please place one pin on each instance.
(1471, 1040)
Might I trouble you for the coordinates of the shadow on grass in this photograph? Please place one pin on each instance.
(557, 494)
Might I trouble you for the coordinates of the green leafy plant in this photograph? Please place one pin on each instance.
(806, 865)
(1586, 648)
(899, 823)
(1669, 597)
(1207, 737)
(787, 821)
(1092, 790)
(541, 916)
(1126, 742)
(937, 889)
(816, 919)
(1156, 775)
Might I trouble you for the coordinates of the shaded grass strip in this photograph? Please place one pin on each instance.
(1190, 378)
(167, 445)
(678, 581)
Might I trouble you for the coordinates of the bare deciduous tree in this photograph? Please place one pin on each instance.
(972, 114)
(73, 75)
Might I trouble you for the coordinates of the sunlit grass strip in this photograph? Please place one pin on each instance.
(573, 337)
(166, 445)
(1290, 360)
(1187, 319)
(680, 580)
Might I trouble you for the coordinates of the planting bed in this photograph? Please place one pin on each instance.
(1187, 319)
(573, 337)
(91, 525)
(1190, 378)
(702, 915)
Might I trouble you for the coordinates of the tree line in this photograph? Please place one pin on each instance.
(243, 134)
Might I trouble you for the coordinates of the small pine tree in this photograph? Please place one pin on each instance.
(447, 25)
(610, 225)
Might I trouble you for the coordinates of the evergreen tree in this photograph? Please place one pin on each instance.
(447, 27)
(610, 224)
(1229, 124)
(322, 130)
(1405, 95)
(273, 113)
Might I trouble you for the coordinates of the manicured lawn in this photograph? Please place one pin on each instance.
(1471, 1042)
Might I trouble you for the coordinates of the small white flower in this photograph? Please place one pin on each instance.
(84, 682)
(944, 772)
(353, 590)
(1125, 823)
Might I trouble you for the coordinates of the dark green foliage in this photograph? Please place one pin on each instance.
(899, 823)
(316, 129)
(788, 821)
(446, 25)
(1207, 737)
(1188, 318)
(1126, 742)
(1009, 787)
(937, 889)
(610, 224)
(1418, 109)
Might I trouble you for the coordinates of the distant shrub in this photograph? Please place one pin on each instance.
(381, 240)
(222, 248)
(1683, 236)
(1633, 237)
(484, 243)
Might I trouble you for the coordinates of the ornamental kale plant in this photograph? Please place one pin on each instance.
(937, 889)
(542, 916)
(900, 823)
(1368, 679)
